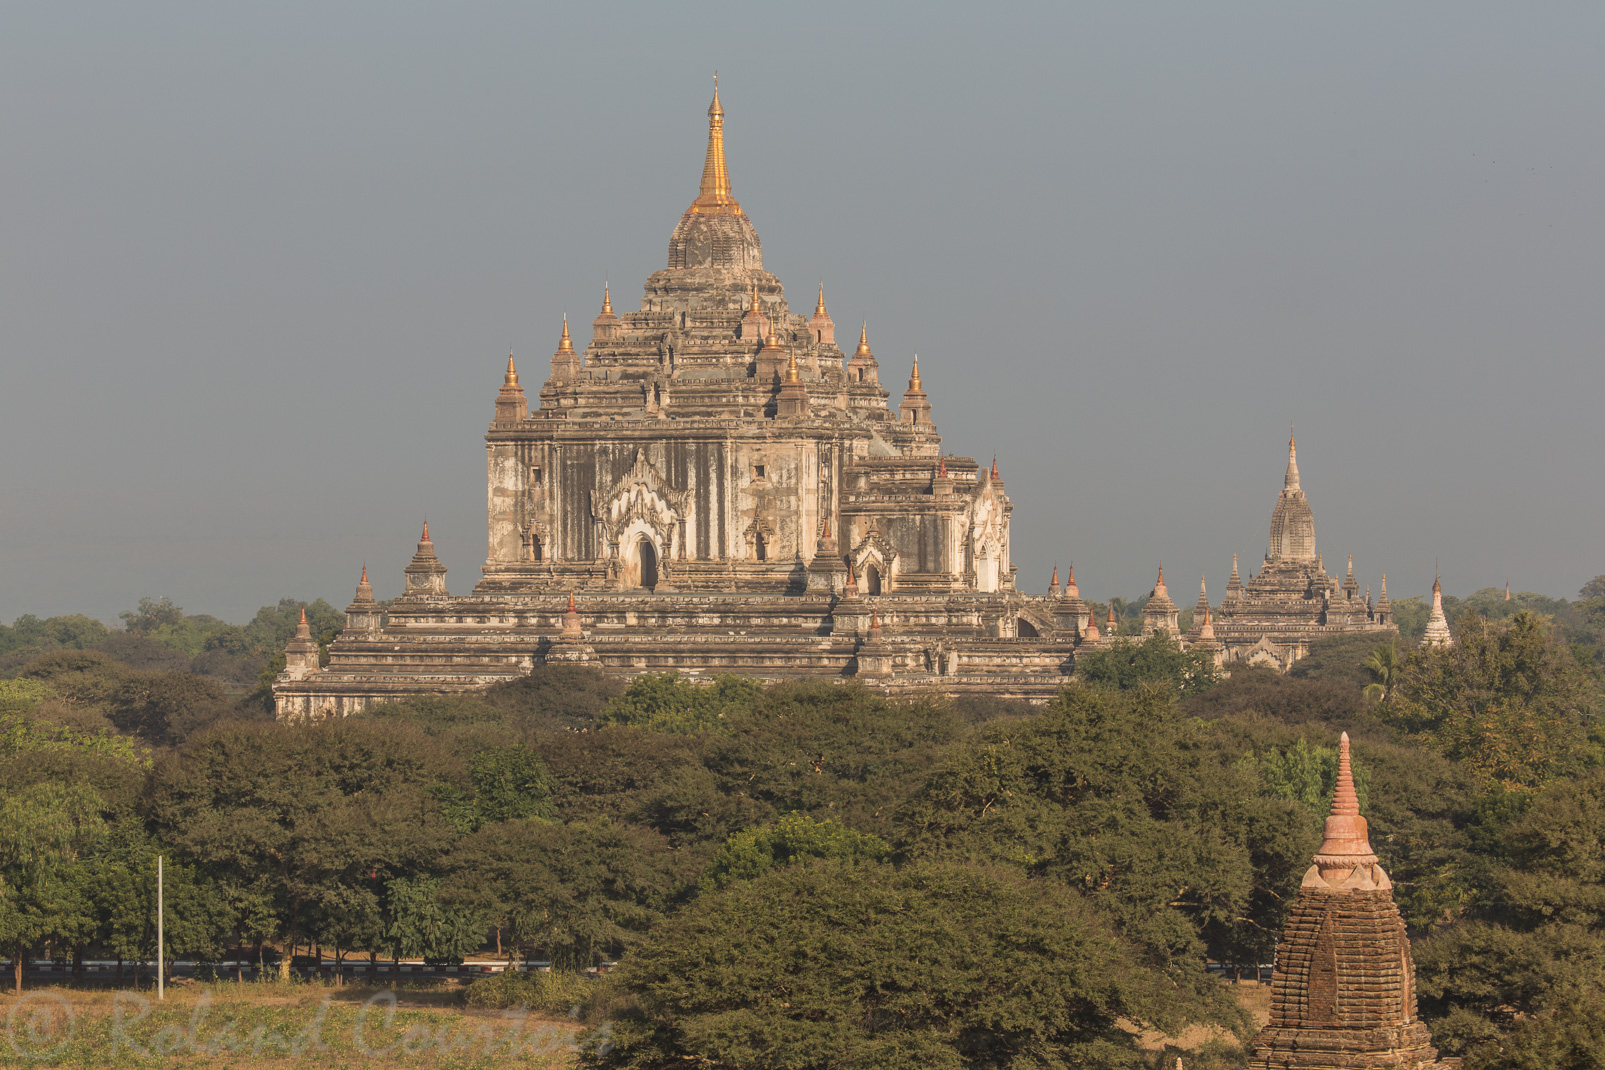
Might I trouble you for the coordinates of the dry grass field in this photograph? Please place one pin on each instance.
(232, 1025)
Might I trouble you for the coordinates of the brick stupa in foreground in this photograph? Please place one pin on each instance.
(1343, 996)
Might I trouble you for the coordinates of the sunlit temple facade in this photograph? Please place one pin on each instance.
(712, 484)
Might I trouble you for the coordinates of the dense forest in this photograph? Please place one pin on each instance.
(811, 875)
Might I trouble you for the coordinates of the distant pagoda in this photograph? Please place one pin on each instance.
(1273, 618)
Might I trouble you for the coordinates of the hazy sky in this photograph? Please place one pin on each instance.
(261, 265)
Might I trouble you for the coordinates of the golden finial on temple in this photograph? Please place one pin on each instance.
(511, 378)
(607, 300)
(715, 197)
(863, 340)
(565, 344)
(914, 376)
(819, 309)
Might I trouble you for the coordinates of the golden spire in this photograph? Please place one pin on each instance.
(607, 301)
(425, 536)
(364, 573)
(715, 197)
(303, 612)
(770, 340)
(511, 379)
(565, 344)
(914, 376)
(791, 368)
(819, 309)
(863, 340)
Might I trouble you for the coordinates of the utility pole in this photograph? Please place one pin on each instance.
(160, 969)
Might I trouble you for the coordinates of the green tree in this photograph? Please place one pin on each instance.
(1307, 774)
(1119, 795)
(1508, 699)
(833, 963)
(795, 837)
(45, 831)
(419, 926)
(1594, 588)
(1385, 667)
(583, 892)
(1521, 983)
(846, 752)
(153, 613)
(671, 703)
(23, 696)
(510, 783)
(164, 708)
(302, 815)
(197, 920)
(1158, 660)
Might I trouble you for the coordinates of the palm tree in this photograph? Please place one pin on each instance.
(1384, 666)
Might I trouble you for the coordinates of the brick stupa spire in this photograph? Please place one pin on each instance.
(1343, 994)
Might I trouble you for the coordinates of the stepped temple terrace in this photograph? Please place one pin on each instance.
(712, 484)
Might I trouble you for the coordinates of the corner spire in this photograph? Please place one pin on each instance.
(863, 340)
(607, 299)
(819, 309)
(511, 378)
(914, 376)
(715, 197)
(565, 344)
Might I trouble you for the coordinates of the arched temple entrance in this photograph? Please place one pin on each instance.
(872, 579)
(649, 563)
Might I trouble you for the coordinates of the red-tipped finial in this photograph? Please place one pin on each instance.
(941, 471)
(1346, 839)
(425, 536)
(572, 608)
(1054, 583)
(364, 573)
(994, 466)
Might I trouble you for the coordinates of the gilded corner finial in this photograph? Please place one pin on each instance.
(565, 344)
(819, 309)
(863, 340)
(511, 378)
(607, 299)
(791, 368)
(914, 376)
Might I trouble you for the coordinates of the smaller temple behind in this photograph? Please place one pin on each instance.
(1272, 619)
(1343, 995)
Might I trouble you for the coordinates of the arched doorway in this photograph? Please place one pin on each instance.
(649, 563)
(760, 549)
(872, 579)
